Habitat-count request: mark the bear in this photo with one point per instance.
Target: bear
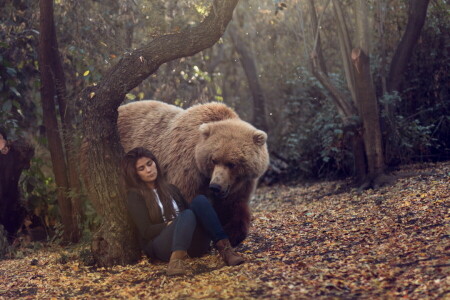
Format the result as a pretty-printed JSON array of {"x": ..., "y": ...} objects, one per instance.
[{"x": 205, "y": 149}]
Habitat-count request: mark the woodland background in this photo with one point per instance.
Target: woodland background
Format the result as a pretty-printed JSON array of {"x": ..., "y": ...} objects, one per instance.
[{"x": 284, "y": 66}]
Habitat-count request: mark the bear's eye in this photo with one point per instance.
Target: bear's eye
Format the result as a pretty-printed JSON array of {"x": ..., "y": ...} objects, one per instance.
[
  {"x": 214, "y": 161},
  {"x": 230, "y": 165}
]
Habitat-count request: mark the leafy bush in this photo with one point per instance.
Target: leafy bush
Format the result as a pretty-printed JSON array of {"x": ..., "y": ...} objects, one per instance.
[
  {"x": 313, "y": 135},
  {"x": 18, "y": 68},
  {"x": 407, "y": 139},
  {"x": 39, "y": 190}
]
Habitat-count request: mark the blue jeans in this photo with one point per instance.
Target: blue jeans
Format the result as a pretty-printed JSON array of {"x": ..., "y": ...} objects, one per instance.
[
  {"x": 208, "y": 218},
  {"x": 192, "y": 230}
]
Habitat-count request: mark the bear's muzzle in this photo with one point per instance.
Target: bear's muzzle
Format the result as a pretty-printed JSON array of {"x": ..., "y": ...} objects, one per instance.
[{"x": 218, "y": 191}]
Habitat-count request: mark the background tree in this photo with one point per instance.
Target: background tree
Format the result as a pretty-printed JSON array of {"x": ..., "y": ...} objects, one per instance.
[
  {"x": 356, "y": 64},
  {"x": 417, "y": 12},
  {"x": 52, "y": 84},
  {"x": 250, "y": 69},
  {"x": 366, "y": 98}
]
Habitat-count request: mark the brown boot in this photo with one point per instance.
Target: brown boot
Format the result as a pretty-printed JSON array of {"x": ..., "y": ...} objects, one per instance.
[
  {"x": 176, "y": 265},
  {"x": 230, "y": 257}
]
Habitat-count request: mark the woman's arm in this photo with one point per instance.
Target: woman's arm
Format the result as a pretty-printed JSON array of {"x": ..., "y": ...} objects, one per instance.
[{"x": 139, "y": 214}]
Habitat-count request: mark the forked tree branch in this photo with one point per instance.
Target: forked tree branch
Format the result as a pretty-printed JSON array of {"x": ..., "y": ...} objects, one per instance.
[{"x": 137, "y": 65}]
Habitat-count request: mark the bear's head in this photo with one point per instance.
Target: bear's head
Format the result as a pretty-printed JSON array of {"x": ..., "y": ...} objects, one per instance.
[{"x": 229, "y": 153}]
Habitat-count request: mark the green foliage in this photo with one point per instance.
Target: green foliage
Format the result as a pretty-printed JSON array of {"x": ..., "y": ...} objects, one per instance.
[
  {"x": 314, "y": 136},
  {"x": 427, "y": 90},
  {"x": 40, "y": 191},
  {"x": 18, "y": 61},
  {"x": 420, "y": 128},
  {"x": 407, "y": 138},
  {"x": 20, "y": 112}
]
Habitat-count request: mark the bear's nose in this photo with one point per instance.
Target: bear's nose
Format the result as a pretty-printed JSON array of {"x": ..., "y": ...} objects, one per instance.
[{"x": 215, "y": 188}]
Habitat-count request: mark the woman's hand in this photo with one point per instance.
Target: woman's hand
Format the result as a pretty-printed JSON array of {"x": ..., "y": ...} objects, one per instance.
[{"x": 168, "y": 223}]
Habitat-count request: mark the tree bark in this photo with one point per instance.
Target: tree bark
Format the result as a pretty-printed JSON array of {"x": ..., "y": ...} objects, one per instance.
[
  {"x": 317, "y": 48},
  {"x": 367, "y": 101},
  {"x": 46, "y": 60},
  {"x": 346, "y": 109},
  {"x": 101, "y": 151},
  {"x": 382, "y": 12},
  {"x": 416, "y": 19},
  {"x": 346, "y": 47},
  {"x": 249, "y": 66},
  {"x": 369, "y": 113},
  {"x": 357, "y": 139},
  {"x": 66, "y": 115}
]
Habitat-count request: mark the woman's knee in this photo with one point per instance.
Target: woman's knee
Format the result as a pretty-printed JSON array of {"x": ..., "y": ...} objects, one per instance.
[
  {"x": 187, "y": 215},
  {"x": 199, "y": 202}
]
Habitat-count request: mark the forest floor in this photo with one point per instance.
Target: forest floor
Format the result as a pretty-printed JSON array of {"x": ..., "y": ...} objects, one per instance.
[{"x": 322, "y": 240}]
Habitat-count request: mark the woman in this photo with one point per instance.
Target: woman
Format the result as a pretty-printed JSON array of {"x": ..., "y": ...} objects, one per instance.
[{"x": 169, "y": 228}]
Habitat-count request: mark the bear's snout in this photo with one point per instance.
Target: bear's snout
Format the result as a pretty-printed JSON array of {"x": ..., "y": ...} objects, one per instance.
[
  {"x": 220, "y": 182},
  {"x": 218, "y": 190},
  {"x": 215, "y": 188}
]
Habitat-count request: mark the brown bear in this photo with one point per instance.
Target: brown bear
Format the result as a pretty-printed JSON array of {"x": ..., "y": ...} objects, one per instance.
[{"x": 205, "y": 149}]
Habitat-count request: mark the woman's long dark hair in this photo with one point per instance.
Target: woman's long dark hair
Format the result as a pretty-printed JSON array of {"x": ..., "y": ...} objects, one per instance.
[
  {"x": 3, "y": 133},
  {"x": 134, "y": 182}
]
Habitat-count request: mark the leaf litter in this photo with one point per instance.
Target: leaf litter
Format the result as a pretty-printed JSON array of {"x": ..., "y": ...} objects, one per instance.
[{"x": 323, "y": 240}]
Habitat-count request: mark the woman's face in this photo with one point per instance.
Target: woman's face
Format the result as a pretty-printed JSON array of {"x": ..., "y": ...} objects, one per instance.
[
  {"x": 146, "y": 169},
  {"x": 3, "y": 148}
]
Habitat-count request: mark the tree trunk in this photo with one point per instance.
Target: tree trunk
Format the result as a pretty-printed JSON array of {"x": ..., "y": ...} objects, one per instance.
[
  {"x": 114, "y": 242},
  {"x": 346, "y": 48},
  {"x": 317, "y": 48},
  {"x": 367, "y": 101},
  {"x": 249, "y": 66},
  {"x": 358, "y": 139},
  {"x": 346, "y": 109},
  {"x": 369, "y": 113},
  {"x": 50, "y": 122},
  {"x": 66, "y": 115},
  {"x": 416, "y": 19},
  {"x": 382, "y": 12},
  {"x": 101, "y": 151}
]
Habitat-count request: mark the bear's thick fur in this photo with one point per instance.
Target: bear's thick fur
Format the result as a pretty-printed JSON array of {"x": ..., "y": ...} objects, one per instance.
[{"x": 205, "y": 149}]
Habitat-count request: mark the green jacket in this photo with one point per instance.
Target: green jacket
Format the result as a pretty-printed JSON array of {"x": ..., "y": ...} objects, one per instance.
[{"x": 146, "y": 228}]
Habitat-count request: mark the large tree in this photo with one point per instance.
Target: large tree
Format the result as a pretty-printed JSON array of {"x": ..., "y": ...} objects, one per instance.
[{"x": 101, "y": 151}]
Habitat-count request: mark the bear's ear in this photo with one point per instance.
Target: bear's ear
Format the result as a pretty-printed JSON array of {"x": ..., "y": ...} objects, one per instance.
[
  {"x": 205, "y": 130},
  {"x": 259, "y": 137}
]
